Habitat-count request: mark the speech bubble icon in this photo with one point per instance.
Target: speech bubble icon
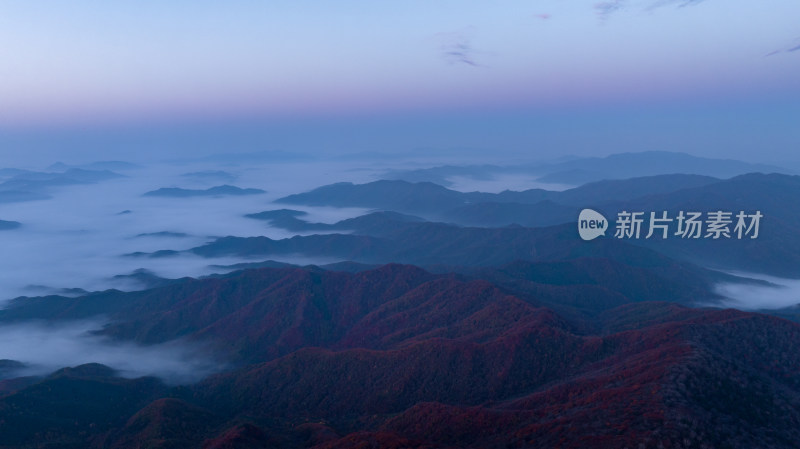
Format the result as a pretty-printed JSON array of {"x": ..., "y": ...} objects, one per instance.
[{"x": 591, "y": 224}]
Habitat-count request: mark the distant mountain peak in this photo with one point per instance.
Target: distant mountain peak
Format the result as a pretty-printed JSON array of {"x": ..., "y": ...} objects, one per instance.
[{"x": 221, "y": 190}]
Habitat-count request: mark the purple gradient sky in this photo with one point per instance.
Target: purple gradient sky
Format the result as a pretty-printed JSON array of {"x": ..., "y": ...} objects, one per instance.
[{"x": 89, "y": 65}]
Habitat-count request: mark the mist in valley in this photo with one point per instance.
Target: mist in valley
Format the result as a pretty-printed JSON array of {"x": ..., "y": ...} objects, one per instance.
[
  {"x": 42, "y": 348},
  {"x": 84, "y": 235},
  {"x": 770, "y": 294},
  {"x": 87, "y": 237},
  {"x": 79, "y": 238}
]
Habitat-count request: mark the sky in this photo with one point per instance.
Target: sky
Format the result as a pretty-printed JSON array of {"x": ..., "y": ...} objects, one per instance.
[{"x": 88, "y": 79}]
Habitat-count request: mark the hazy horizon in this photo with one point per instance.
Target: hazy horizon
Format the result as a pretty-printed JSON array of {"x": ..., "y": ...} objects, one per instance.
[{"x": 154, "y": 81}]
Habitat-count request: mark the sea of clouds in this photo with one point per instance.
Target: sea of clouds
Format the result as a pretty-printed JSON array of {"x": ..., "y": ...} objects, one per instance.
[{"x": 81, "y": 237}]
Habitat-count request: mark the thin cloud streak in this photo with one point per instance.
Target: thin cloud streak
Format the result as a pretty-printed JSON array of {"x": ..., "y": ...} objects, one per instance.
[
  {"x": 788, "y": 50},
  {"x": 679, "y": 3},
  {"x": 608, "y": 8},
  {"x": 456, "y": 48}
]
